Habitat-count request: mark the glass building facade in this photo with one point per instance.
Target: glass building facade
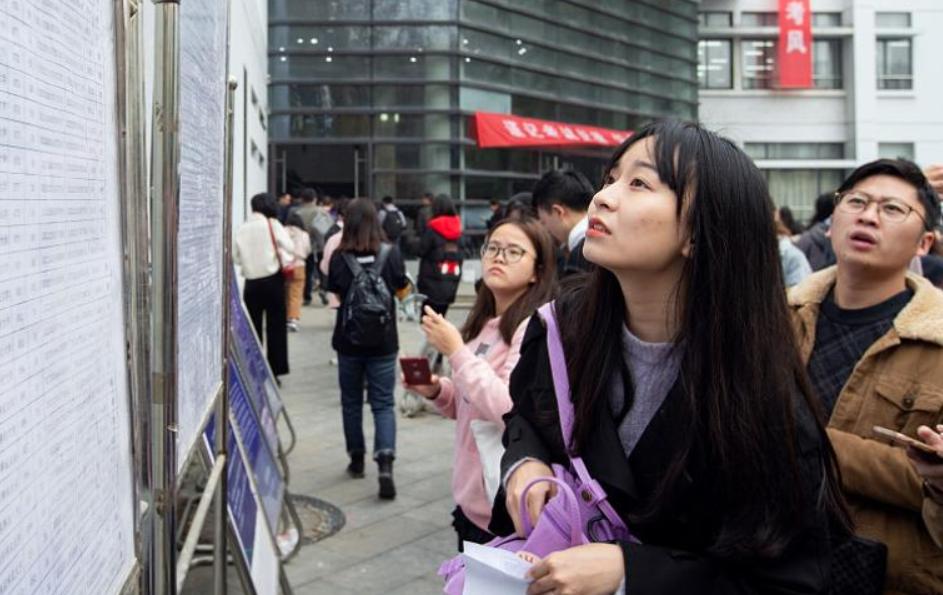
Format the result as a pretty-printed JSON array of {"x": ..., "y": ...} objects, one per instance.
[{"x": 374, "y": 97}]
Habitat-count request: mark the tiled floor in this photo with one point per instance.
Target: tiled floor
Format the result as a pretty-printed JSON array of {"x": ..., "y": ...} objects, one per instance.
[{"x": 384, "y": 547}]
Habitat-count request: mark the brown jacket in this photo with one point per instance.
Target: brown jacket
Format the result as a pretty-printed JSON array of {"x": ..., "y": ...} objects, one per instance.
[{"x": 898, "y": 384}]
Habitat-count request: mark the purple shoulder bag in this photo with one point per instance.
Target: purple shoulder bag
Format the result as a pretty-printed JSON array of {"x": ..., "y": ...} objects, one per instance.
[{"x": 580, "y": 512}]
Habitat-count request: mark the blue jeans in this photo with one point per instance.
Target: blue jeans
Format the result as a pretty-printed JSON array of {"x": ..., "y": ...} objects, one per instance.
[{"x": 380, "y": 373}]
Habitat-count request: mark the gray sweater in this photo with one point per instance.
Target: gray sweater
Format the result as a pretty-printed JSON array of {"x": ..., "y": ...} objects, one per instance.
[{"x": 654, "y": 369}]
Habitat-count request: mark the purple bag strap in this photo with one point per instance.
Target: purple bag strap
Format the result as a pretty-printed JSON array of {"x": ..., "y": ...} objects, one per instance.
[
  {"x": 570, "y": 507},
  {"x": 561, "y": 387}
]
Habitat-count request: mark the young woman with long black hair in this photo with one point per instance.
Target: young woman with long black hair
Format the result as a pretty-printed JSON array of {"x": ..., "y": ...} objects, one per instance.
[
  {"x": 518, "y": 276},
  {"x": 692, "y": 408},
  {"x": 367, "y": 359}
]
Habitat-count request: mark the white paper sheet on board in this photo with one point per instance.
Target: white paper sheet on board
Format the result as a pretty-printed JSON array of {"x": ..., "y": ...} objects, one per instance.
[
  {"x": 199, "y": 290},
  {"x": 66, "y": 496}
]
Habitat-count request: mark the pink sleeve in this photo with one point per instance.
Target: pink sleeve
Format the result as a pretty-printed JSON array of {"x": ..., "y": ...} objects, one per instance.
[
  {"x": 329, "y": 248},
  {"x": 487, "y": 387},
  {"x": 445, "y": 402}
]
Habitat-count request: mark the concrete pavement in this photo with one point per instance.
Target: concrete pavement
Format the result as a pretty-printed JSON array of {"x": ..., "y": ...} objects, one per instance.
[{"x": 384, "y": 547}]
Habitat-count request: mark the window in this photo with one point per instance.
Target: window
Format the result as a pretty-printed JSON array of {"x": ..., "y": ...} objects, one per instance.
[
  {"x": 896, "y": 150},
  {"x": 895, "y": 65},
  {"x": 329, "y": 66},
  {"x": 892, "y": 20},
  {"x": 795, "y": 150},
  {"x": 303, "y": 37},
  {"x": 759, "y": 19},
  {"x": 759, "y": 62},
  {"x": 319, "y": 126},
  {"x": 715, "y": 19},
  {"x": 826, "y": 19},
  {"x": 826, "y": 64},
  {"x": 798, "y": 188},
  {"x": 415, "y": 156},
  {"x": 713, "y": 64}
]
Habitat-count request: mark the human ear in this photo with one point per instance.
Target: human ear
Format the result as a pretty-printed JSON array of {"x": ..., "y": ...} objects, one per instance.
[
  {"x": 925, "y": 243},
  {"x": 558, "y": 211}
]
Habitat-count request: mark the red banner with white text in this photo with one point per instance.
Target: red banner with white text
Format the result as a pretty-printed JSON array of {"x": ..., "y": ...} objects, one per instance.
[
  {"x": 795, "y": 44},
  {"x": 504, "y": 130}
]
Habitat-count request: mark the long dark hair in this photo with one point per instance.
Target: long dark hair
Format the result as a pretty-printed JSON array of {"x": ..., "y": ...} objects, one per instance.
[
  {"x": 539, "y": 293},
  {"x": 362, "y": 233},
  {"x": 442, "y": 206},
  {"x": 740, "y": 368}
]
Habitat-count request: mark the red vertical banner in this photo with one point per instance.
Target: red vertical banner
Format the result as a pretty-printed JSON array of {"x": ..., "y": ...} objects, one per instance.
[{"x": 795, "y": 44}]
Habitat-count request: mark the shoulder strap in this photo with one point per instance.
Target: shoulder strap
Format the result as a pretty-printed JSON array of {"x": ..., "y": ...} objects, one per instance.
[
  {"x": 561, "y": 387},
  {"x": 352, "y": 262},
  {"x": 271, "y": 234},
  {"x": 561, "y": 381},
  {"x": 380, "y": 261}
]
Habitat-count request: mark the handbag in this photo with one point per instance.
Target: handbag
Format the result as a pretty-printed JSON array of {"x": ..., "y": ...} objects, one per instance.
[
  {"x": 580, "y": 513},
  {"x": 859, "y": 567},
  {"x": 288, "y": 271}
]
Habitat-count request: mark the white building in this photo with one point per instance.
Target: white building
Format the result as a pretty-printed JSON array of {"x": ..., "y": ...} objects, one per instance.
[
  {"x": 878, "y": 89},
  {"x": 248, "y": 62}
]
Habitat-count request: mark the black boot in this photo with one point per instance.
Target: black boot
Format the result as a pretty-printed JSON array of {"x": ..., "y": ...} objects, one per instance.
[
  {"x": 355, "y": 468},
  {"x": 385, "y": 468}
]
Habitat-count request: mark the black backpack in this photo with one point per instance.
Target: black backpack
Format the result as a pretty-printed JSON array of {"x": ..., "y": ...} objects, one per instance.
[
  {"x": 394, "y": 223},
  {"x": 367, "y": 312}
]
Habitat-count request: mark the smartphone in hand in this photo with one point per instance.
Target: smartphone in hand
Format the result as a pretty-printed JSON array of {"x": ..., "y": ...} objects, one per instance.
[
  {"x": 904, "y": 440},
  {"x": 416, "y": 370}
]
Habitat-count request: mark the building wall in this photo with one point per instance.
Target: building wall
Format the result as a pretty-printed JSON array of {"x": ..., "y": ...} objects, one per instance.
[
  {"x": 858, "y": 115},
  {"x": 248, "y": 62},
  {"x": 389, "y": 86}
]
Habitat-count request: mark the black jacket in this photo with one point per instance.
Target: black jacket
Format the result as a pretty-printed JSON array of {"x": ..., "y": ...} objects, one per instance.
[
  {"x": 572, "y": 263},
  {"x": 339, "y": 280},
  {"x": 674, "y": 556},
  {"x": 441, "y": 233}
]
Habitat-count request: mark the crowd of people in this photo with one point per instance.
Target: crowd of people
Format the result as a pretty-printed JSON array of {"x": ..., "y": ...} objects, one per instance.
[{"x": 727, "y": 367}]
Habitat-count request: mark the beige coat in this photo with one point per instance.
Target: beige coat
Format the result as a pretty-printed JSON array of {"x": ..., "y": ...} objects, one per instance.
[{"x": 898, "y": 384}]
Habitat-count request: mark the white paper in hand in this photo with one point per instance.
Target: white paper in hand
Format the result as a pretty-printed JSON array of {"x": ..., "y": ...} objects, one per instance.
[{"x": 492, "y": 571}]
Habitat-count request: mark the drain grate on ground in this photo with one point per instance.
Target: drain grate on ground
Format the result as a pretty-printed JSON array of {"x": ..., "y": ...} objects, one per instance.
[{"x": 319, "y": 519}]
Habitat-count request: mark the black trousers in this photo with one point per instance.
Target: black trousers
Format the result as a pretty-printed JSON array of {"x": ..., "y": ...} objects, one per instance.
[
  {"x": 311, "y": 269},
  {"x": 467, "y": 530},
  {"x": 267, "y": 296}
]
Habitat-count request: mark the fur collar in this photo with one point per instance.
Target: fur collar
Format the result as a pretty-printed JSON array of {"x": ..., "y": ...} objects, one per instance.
[{"x": 920, "y": 320}]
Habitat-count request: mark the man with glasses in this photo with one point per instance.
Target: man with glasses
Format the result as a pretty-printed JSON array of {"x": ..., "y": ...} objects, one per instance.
[{"x": 871, "y": 335}]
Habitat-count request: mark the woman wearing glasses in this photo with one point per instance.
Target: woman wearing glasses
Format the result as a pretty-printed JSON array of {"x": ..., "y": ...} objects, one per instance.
[{"x": 519, "y": 275}]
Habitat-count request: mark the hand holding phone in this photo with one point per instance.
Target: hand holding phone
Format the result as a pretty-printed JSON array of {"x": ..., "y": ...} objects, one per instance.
[{"x": 904, "y": 440}]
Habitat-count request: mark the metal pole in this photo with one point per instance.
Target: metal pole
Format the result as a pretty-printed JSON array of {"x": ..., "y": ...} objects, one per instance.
[
  {"x": 165, "y": 196},
  {"x": 135, "y": 232},
  {"x": 356, "y": 172},
  {"x": 222, "y": 406}
]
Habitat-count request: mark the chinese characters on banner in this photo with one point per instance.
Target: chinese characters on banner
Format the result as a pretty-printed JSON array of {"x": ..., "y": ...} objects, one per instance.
[
  {"x": 795, "y": 44},
  {"x": 505, "y": 130}
]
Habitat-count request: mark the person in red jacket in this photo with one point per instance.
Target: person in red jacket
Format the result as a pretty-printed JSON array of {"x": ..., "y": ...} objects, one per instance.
[{"x": 440, "y": 264}]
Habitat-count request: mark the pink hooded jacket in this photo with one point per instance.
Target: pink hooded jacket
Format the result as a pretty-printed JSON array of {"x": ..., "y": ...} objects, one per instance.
[{"x": 478, "y": 389}]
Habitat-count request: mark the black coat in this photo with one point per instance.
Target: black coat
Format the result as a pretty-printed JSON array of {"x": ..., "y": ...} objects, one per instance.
[
  {"x": 438, "y": 288},
  {"x": 573, "y": 262},
  {"x": 674, "y": 555}
]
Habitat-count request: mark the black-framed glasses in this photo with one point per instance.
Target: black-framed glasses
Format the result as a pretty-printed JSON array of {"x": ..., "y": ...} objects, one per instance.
[
  {"x": 889, "y": 209},
  {"x": 510, "y": 253}
]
